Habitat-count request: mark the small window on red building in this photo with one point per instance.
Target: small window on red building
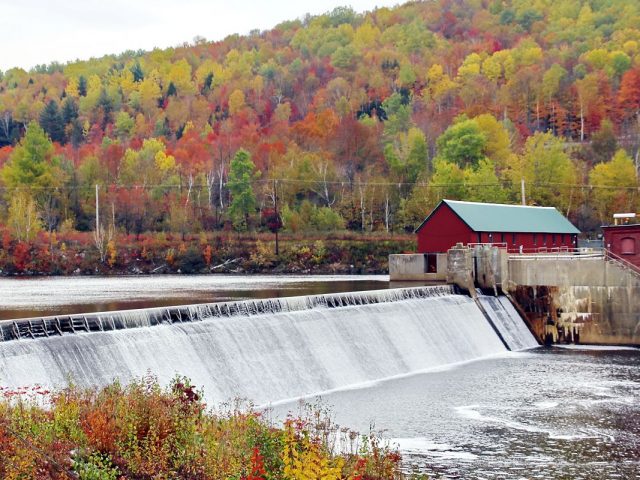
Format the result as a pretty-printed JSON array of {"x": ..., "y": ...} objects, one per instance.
[{"x": 628, "y": 246}]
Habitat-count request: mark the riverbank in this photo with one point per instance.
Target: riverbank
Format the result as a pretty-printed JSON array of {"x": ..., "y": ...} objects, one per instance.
[
  {"x": 78, "y": 253},
  {"x": 145, "y": 431}
]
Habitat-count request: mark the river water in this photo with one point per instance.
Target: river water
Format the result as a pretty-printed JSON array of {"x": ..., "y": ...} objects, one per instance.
[
  {"x": 554, "y": 413},
  {"x": 34, "y": 297},
  {"x": 559, "y": 413}
]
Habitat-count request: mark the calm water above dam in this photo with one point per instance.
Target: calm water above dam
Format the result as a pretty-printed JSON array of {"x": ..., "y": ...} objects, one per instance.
[
  {"x": 35, "y": 297},
  {"x": 542, "y": 414}
]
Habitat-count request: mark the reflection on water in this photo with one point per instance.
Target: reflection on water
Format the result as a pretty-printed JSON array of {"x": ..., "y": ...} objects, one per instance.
[
  {"x": 33, "y": 297},
  {"x": 544, "y": 414}
]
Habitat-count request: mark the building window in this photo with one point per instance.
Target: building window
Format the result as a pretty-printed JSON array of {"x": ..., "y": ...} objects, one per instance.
[
  {"x": 553, "y": 239},
  {"x": 628, "y": 246},
  {"x": 544, "y": 239},
  {"x": 491, "y": 238},
  {"x": 535, "y": 239},
  {"x": 562, "y": 239},
  {"x": 502, "y": 237}
]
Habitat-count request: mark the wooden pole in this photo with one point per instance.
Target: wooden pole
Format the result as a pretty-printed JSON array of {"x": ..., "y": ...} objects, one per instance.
[
  {"x": 275, "y": 202},
  {"x": 97, "y": 211}
]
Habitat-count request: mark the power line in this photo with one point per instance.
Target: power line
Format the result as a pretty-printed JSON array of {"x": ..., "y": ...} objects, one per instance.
[{"x": 319, "y": 183}]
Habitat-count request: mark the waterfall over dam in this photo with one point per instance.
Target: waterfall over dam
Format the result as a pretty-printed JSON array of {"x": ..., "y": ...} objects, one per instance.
[{"x": 264, "y": 350}]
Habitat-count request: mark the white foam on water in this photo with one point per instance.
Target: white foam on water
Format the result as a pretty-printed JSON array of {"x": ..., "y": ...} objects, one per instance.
[
  {"x": 597, "y": 347},
  {"x": 425, "y": 446},
  {"x": 471, "y": 412}
]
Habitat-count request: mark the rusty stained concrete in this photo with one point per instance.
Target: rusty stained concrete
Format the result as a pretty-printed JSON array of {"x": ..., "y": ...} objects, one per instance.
[{"x": 578, "y": 300}]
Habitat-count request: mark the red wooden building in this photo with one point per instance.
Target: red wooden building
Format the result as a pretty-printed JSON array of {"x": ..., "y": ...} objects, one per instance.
[
  {"x": 521, "y": 228},
  {"x": 623, "y": 240}
]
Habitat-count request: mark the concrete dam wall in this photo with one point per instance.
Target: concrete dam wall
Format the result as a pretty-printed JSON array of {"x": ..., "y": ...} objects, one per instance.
[
  {"x": 267, "y": 350},
  {"x": 594, "y": 298}
]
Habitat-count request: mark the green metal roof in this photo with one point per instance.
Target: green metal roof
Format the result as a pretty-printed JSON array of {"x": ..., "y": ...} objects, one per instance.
[{"x": 494, "y": 217}]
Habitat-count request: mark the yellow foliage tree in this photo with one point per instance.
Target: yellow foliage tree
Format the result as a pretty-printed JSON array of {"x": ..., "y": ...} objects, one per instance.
[
  {"x": 180, "y": 76},
  {"x": 236, "y": 101},
  {"x": 72, "y": 88},
  {"x": 24, "y": 220},
  {"x": 440, "y": 86},
  {"x": 498, "y": 144},
  {"x": 470, "y": 66},
  {"x": 614, "y": 185}
]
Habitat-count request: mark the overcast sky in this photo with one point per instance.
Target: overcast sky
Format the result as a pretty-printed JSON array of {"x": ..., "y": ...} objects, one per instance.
[{"x": 34, "y": 32}]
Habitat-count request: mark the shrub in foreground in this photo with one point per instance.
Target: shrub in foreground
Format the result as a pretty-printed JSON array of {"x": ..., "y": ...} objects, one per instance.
[{"x": 144, "y": 431}]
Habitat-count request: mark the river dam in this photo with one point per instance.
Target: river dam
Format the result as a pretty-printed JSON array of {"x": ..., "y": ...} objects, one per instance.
[{"x": 265, "y": 350}]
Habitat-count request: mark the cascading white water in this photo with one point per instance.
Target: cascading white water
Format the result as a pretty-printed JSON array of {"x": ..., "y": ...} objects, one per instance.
[
  {"x": 506, "y": 319},
  {"x": 302, "y": 346}
]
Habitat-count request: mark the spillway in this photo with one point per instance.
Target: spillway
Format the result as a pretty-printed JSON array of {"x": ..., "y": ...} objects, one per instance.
[
  {"x": 262, "y": 350},
  {"x": 507, "y": 321}
]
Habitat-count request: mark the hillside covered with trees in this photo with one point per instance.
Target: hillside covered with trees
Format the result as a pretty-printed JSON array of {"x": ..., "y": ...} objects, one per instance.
[{"x": 340, "y": 121}]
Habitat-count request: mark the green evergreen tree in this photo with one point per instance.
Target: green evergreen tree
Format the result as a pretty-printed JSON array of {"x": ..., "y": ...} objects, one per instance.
[
  {"x": 52, "y": 123},
  {"x": 76, "y": 135},
  {"x": 138, "y": 74},
  {"x": 69, "y": 111},
  {"x": 208, "y": 81},
  {"x": 30, "y": 162},
  {"x": 243, "y": 201},
  {"x": 82, "y": 86},
  {"x": 106, "y": 105}
]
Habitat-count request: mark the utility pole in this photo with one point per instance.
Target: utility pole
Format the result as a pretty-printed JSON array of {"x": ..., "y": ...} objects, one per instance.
[
  {"x": 522, "y": 192},
  {"x": 97, "y": 211},
  {"x": 275, "y": 203}
]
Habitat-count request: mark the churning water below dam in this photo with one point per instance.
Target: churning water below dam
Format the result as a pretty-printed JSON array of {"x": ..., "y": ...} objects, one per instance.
[{"x": 547, "y": 413}]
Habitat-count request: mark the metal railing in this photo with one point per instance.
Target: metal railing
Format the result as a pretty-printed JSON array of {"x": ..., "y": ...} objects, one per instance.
[
  {"x": 488, "y": 244},
  {"x": 621, "y": 262},
  {"x": 577, "y": 253},
  {"x": 556, "y": 252}
]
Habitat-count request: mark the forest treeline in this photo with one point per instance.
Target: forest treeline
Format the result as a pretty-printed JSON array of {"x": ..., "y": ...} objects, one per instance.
[{"x": 339, "y": 121}]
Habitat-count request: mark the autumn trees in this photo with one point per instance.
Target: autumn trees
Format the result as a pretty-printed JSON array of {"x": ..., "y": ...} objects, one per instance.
[{"x": 364, "y": 121}]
